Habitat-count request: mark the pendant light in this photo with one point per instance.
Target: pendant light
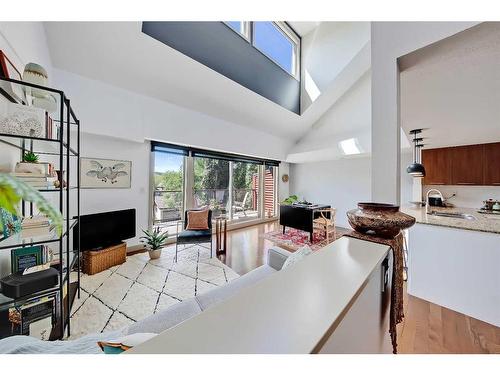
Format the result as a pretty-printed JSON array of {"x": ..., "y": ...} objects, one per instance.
[{"x": 416, "y": 169}]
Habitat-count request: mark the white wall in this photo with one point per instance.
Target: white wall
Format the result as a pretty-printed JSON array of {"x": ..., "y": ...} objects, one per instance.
[
  {"x": 99, "y": 200},
  {"x": 341, "y": 183},
  {"x": 390, "y": 40},
  {"x": 349, "y": 117},
  {"x": 108, "y": 110},
  {"x": 283, "y": 187},
  {"x": 332, "y": 44}
]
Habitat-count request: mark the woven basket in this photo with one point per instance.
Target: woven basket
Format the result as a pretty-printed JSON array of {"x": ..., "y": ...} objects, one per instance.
[{"x": 98, "y": 261}]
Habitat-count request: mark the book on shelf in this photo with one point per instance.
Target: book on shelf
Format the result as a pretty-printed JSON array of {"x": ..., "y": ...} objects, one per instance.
[
  {"x": 35, "y": 221},
  {"x": 33, "y": 226},
  {"x": 30, "y": 256}
]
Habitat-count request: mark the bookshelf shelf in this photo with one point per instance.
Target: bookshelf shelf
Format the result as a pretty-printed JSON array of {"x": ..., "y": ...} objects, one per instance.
[{"x": 62, "y": 148}]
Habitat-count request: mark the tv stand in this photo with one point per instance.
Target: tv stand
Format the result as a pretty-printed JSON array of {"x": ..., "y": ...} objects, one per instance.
[{"x": 95, "y": 261}]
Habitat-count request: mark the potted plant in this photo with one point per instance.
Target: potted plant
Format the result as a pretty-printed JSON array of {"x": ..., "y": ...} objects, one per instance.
[
  {"x": 154, "y": 241},
  {"x": 30, "y": 164}
]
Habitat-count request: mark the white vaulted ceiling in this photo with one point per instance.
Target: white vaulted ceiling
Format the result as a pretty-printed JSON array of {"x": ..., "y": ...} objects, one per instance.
[
  {"x": 118, "y": 53},
  {"x": 452, "y": 88}
]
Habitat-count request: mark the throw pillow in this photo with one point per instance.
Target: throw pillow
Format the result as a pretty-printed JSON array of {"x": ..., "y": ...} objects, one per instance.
[
  {"x": 197, "y": 220},
  {"x": 120, "y": 344},
  {"x": 297, "y": 256}
]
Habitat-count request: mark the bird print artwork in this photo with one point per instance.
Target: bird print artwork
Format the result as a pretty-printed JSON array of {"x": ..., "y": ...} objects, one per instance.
[{"x": 107, "y": 172}]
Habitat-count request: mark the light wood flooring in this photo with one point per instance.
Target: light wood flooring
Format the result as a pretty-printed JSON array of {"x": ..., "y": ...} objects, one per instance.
[{"x": 427, "y": 328}]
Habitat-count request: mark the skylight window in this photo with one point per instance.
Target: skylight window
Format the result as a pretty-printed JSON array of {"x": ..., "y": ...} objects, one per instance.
[
  {"x": 241, "y": 27},
  {"x": 276, "y": 40},
  {"x": 350, "y": 146}
]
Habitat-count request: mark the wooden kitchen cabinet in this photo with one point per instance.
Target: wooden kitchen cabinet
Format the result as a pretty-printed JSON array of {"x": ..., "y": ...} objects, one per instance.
[
  {"x": 463, "y": 165},
  {"x": 467, "y": 165},
  {"x": 492, "y": 164},
  {"x": 437, "y": 164}
]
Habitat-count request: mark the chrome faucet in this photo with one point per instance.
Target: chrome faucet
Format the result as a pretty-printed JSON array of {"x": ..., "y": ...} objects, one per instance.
[{"x": 427, "y": 208}]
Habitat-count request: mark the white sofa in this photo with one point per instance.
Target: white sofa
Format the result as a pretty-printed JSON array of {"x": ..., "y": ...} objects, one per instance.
[
  {"x": 180, "y": 312},
  {"x": 156, "y": 323}
]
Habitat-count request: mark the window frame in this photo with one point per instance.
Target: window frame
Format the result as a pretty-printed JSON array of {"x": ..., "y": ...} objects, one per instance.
[
  {"x": 189, "y": 154},
  {"x": 283, "y": 28},
  {"x": 246, "y": 34}
]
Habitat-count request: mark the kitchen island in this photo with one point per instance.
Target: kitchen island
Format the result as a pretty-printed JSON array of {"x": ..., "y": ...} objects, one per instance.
[
  {"x": 336, "y": 300},
  {"x": 454, "y": 262}
]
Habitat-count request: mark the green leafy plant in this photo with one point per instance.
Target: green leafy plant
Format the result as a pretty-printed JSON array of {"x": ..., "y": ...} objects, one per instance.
[
  {"x": 30, "y": 157},
  {"x": 291, "y": 199},
  {"x": 154, "y": 239},
  {"x": 12, "y": 190}
]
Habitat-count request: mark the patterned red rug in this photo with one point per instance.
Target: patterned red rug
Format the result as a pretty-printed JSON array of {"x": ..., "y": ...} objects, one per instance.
[{"x": 294, "y": 239}]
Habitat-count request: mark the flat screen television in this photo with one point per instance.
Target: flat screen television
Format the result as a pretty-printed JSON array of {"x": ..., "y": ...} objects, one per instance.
[{"x": 104, "y": 229}]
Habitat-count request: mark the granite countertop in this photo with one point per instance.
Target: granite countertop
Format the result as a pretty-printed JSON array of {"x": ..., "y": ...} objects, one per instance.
[{"x": 483, "y": 223}]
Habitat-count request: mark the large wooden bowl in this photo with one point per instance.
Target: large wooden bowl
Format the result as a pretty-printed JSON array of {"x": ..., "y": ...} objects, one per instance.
[{"x": 380, "y": 219}]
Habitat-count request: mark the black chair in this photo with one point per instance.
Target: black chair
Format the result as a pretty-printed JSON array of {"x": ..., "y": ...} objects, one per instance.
[{"x": 194, "y": 237}]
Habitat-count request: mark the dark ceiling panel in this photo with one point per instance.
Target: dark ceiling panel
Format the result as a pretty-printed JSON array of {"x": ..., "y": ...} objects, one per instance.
[{"x": 223, "y": 50}]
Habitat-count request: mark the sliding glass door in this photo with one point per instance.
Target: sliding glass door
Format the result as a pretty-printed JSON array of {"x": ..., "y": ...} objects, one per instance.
[
  {"x": 245, "y": 191},
  {"x": 235, "y": 187},
  {"x": 211, "y": 184},
  {"x": 168, "y": 192}
]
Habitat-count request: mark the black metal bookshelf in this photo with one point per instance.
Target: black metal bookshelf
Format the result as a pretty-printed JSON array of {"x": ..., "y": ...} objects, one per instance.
[{"x": 64, "y": 147}]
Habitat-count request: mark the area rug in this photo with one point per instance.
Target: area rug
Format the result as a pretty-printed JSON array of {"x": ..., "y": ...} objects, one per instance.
[
  {"x": 121, "y": 295},
  {"x": 294, "y": 239}
]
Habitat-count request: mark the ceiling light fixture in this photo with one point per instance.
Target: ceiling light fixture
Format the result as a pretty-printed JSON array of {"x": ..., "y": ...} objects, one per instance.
[{"x": 416, "y": 169}]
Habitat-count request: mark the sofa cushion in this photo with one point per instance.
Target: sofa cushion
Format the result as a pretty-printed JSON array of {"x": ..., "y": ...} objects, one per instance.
[
  {"x": 195, "y": 235},
  {"x": 222, "y": 293},
  {"x": 197, "y": 220},
  {"x": 276, "y": 257},
  {"x": 297, "y": 256},
  {"x": 166, "y": 318}
]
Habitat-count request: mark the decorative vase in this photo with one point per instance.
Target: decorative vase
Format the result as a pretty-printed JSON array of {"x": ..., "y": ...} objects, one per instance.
[
  {"x": 380, "y": 219},
  {"x": 154, "y": 254},
  {"x": 36, "y": 74}
]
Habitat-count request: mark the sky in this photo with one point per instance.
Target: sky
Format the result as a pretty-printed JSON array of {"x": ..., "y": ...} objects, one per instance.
[
  {"x": 167, "y": 162},
  {"x": 271, "y": 42}
]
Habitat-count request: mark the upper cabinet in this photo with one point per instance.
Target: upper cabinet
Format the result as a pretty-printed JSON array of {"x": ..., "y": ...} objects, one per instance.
[
  {"x": 437, "y": 164},
  {"x": 463, "y": 165},
  {"x": 492, "y": 164},
  {"x": 467, "y": 165}
]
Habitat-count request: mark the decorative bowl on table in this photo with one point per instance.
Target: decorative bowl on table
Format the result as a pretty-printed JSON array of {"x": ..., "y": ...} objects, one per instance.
[{"x": 380, "y": 219}]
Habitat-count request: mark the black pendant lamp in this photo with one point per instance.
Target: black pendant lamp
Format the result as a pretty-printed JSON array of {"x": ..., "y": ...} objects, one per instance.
[{"x": 416, "y": 169}]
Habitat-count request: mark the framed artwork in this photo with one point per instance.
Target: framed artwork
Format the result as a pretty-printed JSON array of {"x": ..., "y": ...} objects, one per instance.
[
  {"x": 8, "y": 70},
  {"x": 105, "y": 173}
]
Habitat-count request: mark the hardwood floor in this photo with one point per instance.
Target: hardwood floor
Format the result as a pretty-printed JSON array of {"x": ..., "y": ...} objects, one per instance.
[
  {"x": 427, "y": 328},
  {"x": 246, "y": 249},
  {"x": 430, "y": 328}
]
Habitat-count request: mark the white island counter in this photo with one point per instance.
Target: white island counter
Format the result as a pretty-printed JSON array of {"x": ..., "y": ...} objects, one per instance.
[
  {"x": 316, "y": 305},
  {"x": 455, "y": 263}
]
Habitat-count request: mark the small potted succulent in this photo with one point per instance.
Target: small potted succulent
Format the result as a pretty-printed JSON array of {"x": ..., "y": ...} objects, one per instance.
[
  {"x": 30, "y": 164},
  {"x": 154, "y": 241}
]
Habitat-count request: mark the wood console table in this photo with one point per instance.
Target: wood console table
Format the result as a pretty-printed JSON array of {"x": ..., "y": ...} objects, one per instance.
[{"x": 300, "y": 217}]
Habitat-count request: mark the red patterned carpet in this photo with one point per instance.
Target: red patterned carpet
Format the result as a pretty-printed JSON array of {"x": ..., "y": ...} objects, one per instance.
[{"x": 294, "y": 239}]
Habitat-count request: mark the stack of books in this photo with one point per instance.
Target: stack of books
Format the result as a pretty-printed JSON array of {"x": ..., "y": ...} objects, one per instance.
[
  {"x": 37, "y": 180},
  {"x": 35, "y": 226},
  {"x": 35, "y": 318}
]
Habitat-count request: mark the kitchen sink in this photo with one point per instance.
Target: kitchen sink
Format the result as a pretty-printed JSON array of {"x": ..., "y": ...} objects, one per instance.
[{"x": 456, "y": 215}]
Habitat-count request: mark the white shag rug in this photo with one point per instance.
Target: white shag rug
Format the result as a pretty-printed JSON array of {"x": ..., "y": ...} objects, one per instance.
[{"x": 123, "y": 294}]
